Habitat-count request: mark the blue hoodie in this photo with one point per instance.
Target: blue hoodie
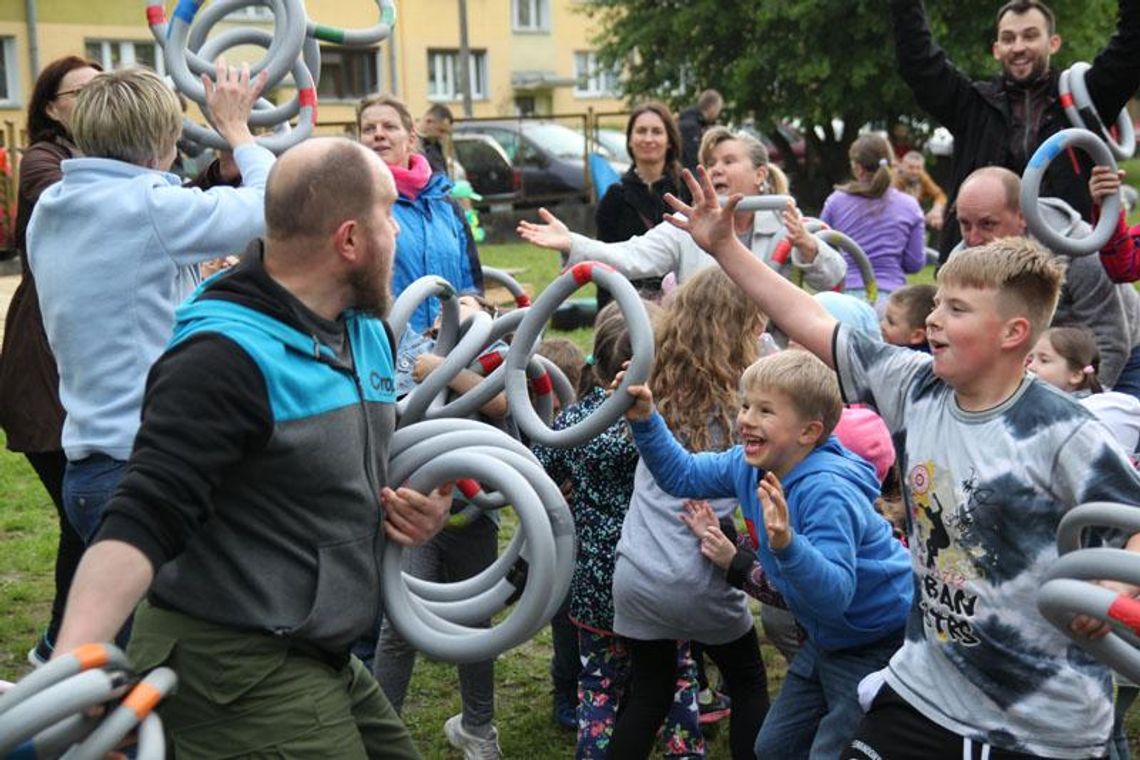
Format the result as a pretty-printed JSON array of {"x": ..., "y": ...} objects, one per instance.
[
  {"x": 434, "y": 239},
  {"x": 845, "y": 578}
]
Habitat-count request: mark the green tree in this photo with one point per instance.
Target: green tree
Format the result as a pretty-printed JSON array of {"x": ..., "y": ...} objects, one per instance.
[{"x": 813, "y": 61}]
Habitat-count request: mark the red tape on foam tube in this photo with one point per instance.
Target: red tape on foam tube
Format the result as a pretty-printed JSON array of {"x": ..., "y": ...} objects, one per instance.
[
  {"x": 542, "y": 385},
  {"x": 1126, "y": 610},
  {"x": 155, "y": 15},
  {"x": 468, "y": 487},
  {"x": 490, "y": 361}
]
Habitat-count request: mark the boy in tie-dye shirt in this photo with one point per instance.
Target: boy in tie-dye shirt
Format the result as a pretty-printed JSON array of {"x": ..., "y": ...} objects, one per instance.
[{"x": 992, "y": 459}]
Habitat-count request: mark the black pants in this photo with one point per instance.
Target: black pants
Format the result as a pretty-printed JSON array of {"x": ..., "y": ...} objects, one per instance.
[
  {"x": 895, "y": 730},
  {"x": 49, "y": 466},
  {"x": 651, "y": 688}
]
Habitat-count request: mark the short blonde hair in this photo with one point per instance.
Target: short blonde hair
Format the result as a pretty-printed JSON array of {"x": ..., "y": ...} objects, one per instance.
[
  {"x": 809, "y": 384},
  {"x": 716, "y": 135},
  {"x": 1027, "y": 278},
  {"x": 129, "y": 115}
]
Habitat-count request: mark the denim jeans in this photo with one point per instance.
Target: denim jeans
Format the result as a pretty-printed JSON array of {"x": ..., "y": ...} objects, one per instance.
[
  {"x": 817, "y": 710},
  {"x": 1129, "y": 380},
  {"x": 88, "y": 485}
]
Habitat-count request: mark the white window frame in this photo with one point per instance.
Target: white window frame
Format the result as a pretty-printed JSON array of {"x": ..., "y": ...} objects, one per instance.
[
  {"x": 443, "y": 67},
  {"x": 126, "y": 53},
  {"x": 590, "y": 79},
  {"x": 538, "y": 12},
  {"x": 11, "y": 73}
]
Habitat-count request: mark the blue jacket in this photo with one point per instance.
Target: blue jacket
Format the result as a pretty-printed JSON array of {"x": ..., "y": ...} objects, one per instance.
[
  {"x": 846, "y": 579},
  {"x": 434, "y": 239}
]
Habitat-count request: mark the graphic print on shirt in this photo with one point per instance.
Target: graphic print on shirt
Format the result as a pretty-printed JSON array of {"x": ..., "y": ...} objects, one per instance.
[{"x": 947, "y": 555}]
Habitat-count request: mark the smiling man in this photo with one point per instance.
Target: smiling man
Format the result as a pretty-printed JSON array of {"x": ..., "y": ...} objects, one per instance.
[{"x": 1001, "y": 121}]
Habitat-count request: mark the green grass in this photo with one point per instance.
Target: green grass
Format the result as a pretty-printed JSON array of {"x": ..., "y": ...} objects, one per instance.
[{"x": 523, "y": 696}]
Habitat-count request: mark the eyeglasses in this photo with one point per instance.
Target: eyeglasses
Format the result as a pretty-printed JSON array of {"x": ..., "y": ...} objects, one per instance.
[{"x": 74, "y": 91}]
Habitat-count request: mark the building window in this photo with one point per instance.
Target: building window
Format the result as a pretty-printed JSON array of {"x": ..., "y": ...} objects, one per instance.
[
  {"x": 116, "y": 54},
  {"x": 444, "y": 76},
  {"x": 591, "y": 79},
  {"x": 530, "y": 15},
  {"x": 9, "y": 76},
  {"x": 348, "y": 74}
]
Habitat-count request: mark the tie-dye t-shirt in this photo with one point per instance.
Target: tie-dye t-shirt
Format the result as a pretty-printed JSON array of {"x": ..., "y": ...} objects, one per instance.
[{"x": 985, "y": 492}]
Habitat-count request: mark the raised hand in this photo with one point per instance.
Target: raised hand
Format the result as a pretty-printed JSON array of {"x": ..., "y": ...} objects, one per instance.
[
  {"x": 1104, "y": 182},
  {"x": 553, "y": 234},
  {"x": 798, "y": 235},
  {"x": 776, "y": 521},
  {"x": 699, "y": 516},
  {"x": 229, "y": 100},
  {"x": 642, "y": 407},
  {"x": 709, "y": 223}
]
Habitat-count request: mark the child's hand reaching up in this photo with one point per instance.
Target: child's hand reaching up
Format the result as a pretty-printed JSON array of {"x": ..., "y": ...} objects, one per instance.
[
  {"x": 716, "y": 547},
  {"x": 776, "y": 521},
  {"x": 1104, "y": 182},
  {"x": 699, "y": 516},
  {"x": 642, "y": 407}
]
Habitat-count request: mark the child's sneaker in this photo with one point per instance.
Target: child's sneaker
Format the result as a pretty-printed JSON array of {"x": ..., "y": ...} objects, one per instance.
[
  {"x": 713, "y": 706},
  {"x": 474, "y": 747},
  {"x": 39, "y": 655}
]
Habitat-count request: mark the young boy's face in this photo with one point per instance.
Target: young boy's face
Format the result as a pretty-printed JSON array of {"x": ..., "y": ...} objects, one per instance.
[
  {"x": 774, "y": 435},
  {"x": 897, "y": 330},
  {"x": 965, "y": 332}
]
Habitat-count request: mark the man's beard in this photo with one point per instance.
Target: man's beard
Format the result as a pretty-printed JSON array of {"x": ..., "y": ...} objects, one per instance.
[
  {"x": 1036, "y": 72},
  {"x": 372, "y": 289}
]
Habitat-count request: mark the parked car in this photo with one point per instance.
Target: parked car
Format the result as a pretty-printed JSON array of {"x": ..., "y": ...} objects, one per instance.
[
  {"x": 487, "y": 168},
  {"x": 613, "y": 141},
  {"x": 550, "y": 156}
]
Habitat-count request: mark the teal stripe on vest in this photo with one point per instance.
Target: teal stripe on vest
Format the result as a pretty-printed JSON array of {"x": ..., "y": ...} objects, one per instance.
[{"x": 299, "y": 385}]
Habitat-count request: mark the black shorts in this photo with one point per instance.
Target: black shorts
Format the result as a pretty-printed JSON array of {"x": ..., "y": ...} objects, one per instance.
[{"x": 893, "y": 730}]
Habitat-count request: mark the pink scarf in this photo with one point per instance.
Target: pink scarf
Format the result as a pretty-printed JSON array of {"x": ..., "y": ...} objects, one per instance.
[{"x": 410, "y": 181}]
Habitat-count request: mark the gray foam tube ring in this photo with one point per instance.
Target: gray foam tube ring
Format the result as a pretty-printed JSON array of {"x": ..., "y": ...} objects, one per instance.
[
  {"x": 1072, "y": 83},
  {"x": 1068, "y": 591},
  {"x": 56, "y": 702},
  {"x": 477, "y": 438},
  {"x": 438, "y": 637},
  {"x": 158, "y": 683},
  {"x": 1031, "y": 189},
  {"x": 761, "y": 203},
  {"x": 62, "y": 668},
  {"x": 526, "y": 342}
]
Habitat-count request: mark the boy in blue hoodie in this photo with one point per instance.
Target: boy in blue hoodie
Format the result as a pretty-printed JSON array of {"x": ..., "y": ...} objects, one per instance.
[{"x": 823, "y": 547}]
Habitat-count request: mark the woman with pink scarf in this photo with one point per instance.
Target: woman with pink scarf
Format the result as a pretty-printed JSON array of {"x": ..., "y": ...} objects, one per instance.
[{"x": 434, "y": 237}]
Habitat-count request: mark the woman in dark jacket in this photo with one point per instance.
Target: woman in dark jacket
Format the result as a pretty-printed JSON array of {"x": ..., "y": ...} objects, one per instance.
[
  {"x": 637, "y": 203},
  {"x": 30, "y": 411}
]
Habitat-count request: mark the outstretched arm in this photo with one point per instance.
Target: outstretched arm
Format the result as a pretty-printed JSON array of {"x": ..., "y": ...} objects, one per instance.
[
  {"x": 938, "y": 86},
  {"x": 111, "y": 579},
  {"x": 1115, "y": 72},
  {"x": 792, "y": 310}
]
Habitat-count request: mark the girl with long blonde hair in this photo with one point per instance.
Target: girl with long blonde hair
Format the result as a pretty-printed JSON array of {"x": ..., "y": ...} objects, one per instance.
[{"x": 663, "y": 590}]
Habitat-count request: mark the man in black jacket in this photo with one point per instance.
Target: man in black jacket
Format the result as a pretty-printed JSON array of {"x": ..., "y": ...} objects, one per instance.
[
  {"x": 692, "y": 122},
  {"x": 255, "y": 505},
  {"x": 1001, "y": 121}
]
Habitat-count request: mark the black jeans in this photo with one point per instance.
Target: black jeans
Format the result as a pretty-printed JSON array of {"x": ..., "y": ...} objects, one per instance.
[
  {"x": 49, "y": 466},
  {"x": 651, "y": 688}
]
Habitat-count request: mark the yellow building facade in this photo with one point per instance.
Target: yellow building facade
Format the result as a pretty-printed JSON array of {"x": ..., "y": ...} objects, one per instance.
[{"x": 527, "y": 56}]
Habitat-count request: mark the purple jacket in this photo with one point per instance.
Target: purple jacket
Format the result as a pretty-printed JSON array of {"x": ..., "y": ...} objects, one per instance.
[{"x": 890, "y": 231}]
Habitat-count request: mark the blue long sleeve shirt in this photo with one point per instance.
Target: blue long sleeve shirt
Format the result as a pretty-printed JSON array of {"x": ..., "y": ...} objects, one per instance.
[
  {"x": 846, "y": 579},
  {"x": 114, "y": 248}
]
